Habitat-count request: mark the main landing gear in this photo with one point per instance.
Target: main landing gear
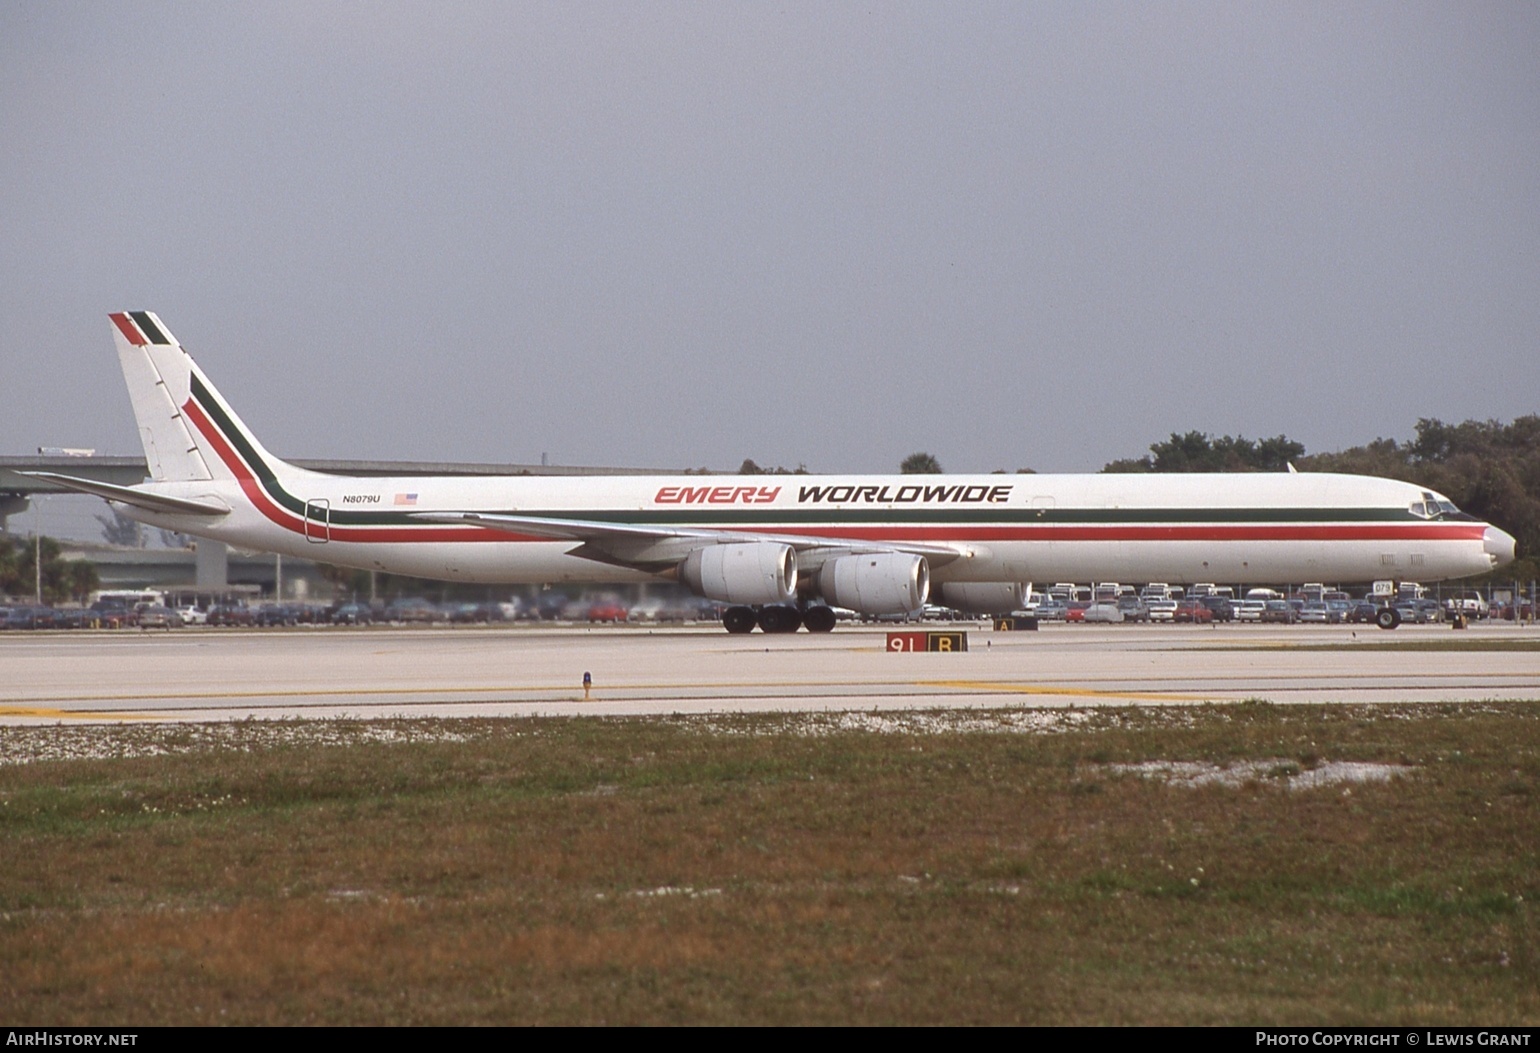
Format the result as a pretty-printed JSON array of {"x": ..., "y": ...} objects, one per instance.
[{"x": 777, "y": 619}]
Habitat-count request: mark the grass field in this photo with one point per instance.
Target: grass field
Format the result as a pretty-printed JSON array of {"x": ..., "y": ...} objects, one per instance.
[{"x": 1249, "y": 864}]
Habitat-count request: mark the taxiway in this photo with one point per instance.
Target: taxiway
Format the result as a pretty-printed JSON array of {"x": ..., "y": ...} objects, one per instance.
[{"x": 203, "y": 675}]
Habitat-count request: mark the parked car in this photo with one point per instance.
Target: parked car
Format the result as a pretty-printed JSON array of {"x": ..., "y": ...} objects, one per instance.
[
  {"x": 1420, "y": 612},
  {"x": 648, "y": 610},
  {"x": 228, "y": 614},
  {"x": 107, "y": 614},
  {"x": 1279, "y": 612},
  {"x": 1051, "y": 610},
  {"x": 1469, "y": 603},
  {"x": 310, "y": 613},
  {"x": 352, "y": 614},
  {"x": 1518, "y": 610},
  {"x": 551, "y": 606},
  {"x": 15, "y": 618},
  {"x": 1250, "y": 611},
  {"x": 1363, "y": 612},
  {"x": 30, "y": 618},
  {"x": 71, "y": 618},
  {"x": 1193, "y": 612},
  {"x": 470, "y": 613},
  {"x": 275, "y": 614},
  {"x": 1133, "y": 608},
  {"x": 1162, "y": 610},
  {"x": 607, "y": 611},
  {"x": 157, "y": 617},
  {"x": 1221, "y": 607},
  {"x": 412, "y": 609},
  {"x": 1103, "y": 611}
]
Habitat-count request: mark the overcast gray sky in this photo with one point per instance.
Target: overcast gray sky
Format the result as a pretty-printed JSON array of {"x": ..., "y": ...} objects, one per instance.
[{"x": 1014, "y": 235}]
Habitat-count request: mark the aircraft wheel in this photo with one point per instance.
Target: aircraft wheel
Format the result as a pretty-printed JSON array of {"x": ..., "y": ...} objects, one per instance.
[
  {"x": 738, "y": 620},
  {"x": 818, "y": 619},
  {"x": 780, "y": 619},
  {"x": 1387, "y": 618}
]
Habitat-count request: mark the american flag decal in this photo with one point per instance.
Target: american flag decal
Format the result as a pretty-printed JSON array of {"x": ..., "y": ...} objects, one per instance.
[{"x": 406, "y": 499}]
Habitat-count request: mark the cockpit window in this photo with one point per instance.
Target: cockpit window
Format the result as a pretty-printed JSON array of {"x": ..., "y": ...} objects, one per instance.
[{"x": 1432, "y": 506}]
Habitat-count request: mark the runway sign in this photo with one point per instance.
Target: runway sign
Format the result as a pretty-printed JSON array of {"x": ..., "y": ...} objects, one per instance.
[{"x": 928, "y": 641}]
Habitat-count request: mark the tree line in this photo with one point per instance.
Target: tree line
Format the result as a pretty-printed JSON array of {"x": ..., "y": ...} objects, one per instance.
[{"x": 62, "y": 578}]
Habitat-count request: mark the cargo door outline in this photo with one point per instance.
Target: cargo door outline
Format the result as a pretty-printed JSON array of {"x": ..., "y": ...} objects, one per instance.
[{"x": 318, "y": 520}]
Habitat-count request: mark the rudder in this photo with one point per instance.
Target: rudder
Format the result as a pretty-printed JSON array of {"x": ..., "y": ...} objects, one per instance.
[
  {"x": 169, "y": 446},
  {"x": 165, "y": 385}
]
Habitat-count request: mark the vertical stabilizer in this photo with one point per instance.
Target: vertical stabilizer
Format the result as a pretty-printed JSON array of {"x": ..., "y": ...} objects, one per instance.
[
  {"x": 188, "y": 430},
  {"x": 169, "y": 446}
]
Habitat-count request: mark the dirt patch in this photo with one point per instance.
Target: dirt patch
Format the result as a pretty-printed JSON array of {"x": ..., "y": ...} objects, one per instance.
[{"x": 1280, "y": 770}]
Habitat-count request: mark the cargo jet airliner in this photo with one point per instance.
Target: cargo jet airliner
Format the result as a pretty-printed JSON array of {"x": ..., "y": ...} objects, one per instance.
[{"x": 780, "y": 550}]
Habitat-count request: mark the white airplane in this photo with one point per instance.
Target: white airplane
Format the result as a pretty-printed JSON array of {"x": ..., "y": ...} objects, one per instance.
[{"x": 780, "y": 550}]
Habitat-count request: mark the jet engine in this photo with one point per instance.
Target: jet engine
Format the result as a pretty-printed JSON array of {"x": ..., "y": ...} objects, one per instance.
[
  {"x": 754, "y": 572},
  {"x": 881, "y": 583},
  {"x": 984, "y": 597}
]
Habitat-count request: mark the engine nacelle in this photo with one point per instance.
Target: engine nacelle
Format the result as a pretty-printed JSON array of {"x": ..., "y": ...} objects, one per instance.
[
  {"x": 984, "y": 597},
  {"x": 882, "y": 583},
  {"x": 752, "y": 572}
]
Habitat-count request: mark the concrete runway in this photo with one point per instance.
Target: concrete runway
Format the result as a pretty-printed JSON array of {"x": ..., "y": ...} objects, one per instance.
[{"x": 214, "y": 674}]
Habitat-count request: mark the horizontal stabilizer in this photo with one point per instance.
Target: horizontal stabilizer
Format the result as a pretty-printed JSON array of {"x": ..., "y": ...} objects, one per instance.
[{"x": 128, "y": 495}]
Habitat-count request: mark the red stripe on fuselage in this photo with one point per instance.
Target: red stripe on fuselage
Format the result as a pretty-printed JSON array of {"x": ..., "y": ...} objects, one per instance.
[
  {"x": 127, "y": 327},
  {"x": 1075, "y": 532},
  {"x": 895, "y": 535},
  {"x": 243, "y": 475}
]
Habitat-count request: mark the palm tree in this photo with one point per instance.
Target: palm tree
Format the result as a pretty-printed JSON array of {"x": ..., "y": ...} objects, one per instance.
[{"x": 920, "y": 464}]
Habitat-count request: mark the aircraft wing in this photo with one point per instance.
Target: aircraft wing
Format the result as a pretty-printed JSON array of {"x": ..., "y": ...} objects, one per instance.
[
  {"x": 564, "y": 529},
  {"x": 643, "y": 546},
  {"x": 130, "y": 495}
]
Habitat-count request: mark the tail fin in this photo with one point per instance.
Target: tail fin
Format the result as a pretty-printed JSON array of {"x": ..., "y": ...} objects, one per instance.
[{"x": 188, "y": 430}]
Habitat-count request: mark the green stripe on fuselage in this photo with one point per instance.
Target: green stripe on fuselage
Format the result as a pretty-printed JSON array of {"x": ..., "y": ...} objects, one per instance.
[{"x": 984, "y": 515}]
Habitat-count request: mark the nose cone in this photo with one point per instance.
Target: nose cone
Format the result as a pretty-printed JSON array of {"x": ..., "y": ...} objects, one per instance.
[{"x": 1499, "y": 546}]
